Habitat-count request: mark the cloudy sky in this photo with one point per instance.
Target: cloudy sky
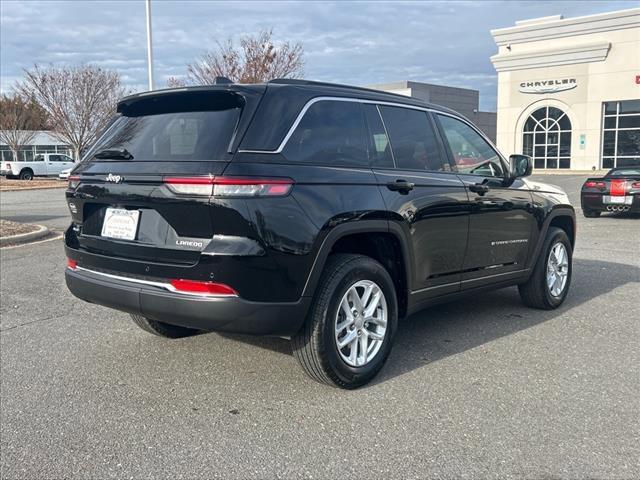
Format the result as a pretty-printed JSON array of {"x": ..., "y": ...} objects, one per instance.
[{"x": 347, "y": 42}]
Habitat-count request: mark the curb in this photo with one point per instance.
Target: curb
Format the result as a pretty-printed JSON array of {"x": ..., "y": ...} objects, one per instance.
[
  {"x": 25, "y": 237},
  {"x": 21, "y": 189}
]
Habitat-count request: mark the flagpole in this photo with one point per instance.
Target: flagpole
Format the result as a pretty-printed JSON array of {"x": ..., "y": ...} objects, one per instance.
[{"x": 149, "y": 46}]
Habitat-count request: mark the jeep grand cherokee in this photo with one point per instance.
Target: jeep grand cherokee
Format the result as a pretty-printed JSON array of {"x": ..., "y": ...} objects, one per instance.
[{"x": 314, "y": 211}]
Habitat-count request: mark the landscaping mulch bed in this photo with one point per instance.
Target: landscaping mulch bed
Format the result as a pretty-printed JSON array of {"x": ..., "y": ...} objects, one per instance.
[
  {"x": 9, "y": 228},
  {"x": 7, "y": 185}
]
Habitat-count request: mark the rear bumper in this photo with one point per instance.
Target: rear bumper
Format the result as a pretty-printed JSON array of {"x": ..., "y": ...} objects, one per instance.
[
  {"x": 224, "y": 314},
  {"x": 595, "y": 203}
]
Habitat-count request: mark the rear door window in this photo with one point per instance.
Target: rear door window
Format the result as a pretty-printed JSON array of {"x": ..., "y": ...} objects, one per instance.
[
  {"x": 329, "y": 133},
  {"x": 413, "y": 140}
]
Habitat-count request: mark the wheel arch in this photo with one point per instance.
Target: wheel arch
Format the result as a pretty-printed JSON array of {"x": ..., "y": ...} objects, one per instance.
[
  {"x": 375, "y": 239},
  {"x": 561, "y": 217}
]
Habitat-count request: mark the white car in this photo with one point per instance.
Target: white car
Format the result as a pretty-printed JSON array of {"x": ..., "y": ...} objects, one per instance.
[
  {"x": 64, "y": 174},
  {"x": 43, "y": 164}
]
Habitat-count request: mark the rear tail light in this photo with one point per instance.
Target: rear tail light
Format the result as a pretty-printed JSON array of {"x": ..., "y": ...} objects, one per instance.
[
  {"x": 190, "y": 185},
  {"x": 635, "y": 185},
  {"x": 7, "y": 166},
  {"x": 595, "y": 184},
  {"x": 74, "y": 180},
  {"x": 72, "y": 264},
  {"x": 230, "y": 186},
  {"x": 203, "y": 288}
]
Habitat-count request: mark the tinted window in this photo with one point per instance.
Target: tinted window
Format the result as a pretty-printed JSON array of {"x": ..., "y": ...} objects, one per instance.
[
  {"x": 330, "y": 133},
  {"x": 413, "y": 141},
  {"x": 378, "y": 142},
  {"x": 471, "y": 152},
  {"x": 187, "y": 127},
  {"x": 624, "y": 173},
  {"x": 173, "y": 136}
]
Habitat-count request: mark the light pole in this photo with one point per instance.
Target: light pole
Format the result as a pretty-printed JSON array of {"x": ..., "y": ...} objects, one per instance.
[{"x": 149, "y": 45}]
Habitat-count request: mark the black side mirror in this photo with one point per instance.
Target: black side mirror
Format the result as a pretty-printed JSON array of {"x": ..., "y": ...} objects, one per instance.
[{"x": 519, "y": 166}]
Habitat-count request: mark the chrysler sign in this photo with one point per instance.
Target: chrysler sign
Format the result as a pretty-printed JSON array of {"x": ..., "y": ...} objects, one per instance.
[{"x": 548, "y": 86}]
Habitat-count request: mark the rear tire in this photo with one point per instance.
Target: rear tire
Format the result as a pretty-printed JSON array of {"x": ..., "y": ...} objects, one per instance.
[
  {"x": 162, "y": 329},
  {"x": 536, "y": 292},
  {"x": 590, "y": 213},
  {"x": 349, "y": 284},
  {"x": 26, "y": 174}
]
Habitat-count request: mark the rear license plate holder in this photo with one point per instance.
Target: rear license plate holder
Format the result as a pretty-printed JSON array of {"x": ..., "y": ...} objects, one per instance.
[
  {"x": 120, "y": 224},
  {"x": 617, "y": 200}
]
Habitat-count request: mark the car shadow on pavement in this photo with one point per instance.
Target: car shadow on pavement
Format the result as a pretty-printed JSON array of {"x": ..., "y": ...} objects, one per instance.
[{"x": 448, "y": 329}]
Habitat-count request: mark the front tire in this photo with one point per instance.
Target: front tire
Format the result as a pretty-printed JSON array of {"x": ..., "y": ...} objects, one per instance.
[
  {"x": 349, "y": 330},
  {"x": 162, "y": 329},
  {"x": 548, "y": 285}
]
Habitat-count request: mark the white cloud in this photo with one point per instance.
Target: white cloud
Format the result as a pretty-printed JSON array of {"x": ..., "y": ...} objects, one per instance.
[{"x": 359, "y": 43}]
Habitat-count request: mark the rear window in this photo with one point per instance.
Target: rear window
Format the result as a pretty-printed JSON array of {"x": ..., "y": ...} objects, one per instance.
[
  {"x": 630, "y": 172},
  {"x": 174, "y": 128}
]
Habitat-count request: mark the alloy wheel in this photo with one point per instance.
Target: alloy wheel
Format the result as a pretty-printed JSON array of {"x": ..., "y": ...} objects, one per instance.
[
  {"x": 557, "y": 269},
  {"x": 361, "y": 323}
]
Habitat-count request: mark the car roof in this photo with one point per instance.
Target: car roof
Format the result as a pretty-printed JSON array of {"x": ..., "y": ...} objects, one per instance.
[
  {"x": 312, "y": 88},
  {"x": 283, "y": 99},
  {"x": 323, "y": 88}
]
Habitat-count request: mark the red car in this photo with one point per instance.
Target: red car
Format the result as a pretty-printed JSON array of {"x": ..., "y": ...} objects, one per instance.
[{"x": 617, "y": 191}]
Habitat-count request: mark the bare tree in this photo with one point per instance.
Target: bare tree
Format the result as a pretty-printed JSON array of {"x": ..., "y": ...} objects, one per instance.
[
  {"x": 175, "y": 82},
  {"x": 20, "y": 118},
  {"x": 79, "y": 100},
  {"x": 257, "y": 59}
]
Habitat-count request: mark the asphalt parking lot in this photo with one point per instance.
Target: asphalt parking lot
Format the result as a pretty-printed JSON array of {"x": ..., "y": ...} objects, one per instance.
[{"x": 484, "y": 388}]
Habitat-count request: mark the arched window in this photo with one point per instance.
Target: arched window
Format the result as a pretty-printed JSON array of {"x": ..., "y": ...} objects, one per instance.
[{"x": 547, "y": 138}]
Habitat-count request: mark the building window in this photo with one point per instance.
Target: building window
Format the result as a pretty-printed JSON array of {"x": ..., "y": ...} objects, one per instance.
[
  {"x": 547, "y": 138},
  {"x": 621, "y": 134}
]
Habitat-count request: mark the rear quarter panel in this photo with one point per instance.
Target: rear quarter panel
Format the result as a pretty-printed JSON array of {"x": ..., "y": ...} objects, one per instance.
[{"x": 293, "y": 229}]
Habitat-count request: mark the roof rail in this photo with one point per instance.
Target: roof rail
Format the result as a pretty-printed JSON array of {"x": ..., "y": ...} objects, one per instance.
[{"x": 295, "y": 81}]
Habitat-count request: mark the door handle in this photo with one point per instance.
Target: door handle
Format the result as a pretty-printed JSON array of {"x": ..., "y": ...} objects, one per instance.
[
  {"x": 479, "y": 188},
  {"x": 401, "y": 186}
]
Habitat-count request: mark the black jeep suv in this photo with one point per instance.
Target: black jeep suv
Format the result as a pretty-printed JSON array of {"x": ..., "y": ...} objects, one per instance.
[{"x": 314, "y": 211}]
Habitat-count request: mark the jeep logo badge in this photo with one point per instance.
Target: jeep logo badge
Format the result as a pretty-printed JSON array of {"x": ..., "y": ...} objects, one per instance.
[{"x": 114, "y": 178}]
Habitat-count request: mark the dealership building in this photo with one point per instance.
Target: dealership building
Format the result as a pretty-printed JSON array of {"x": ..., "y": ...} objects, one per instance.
[{"x": 569, "y": 90}]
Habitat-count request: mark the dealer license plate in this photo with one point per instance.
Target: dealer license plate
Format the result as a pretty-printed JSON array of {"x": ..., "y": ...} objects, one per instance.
[
  {"x": 625, "y": 200},
  {"x": 120, "y": 223}
]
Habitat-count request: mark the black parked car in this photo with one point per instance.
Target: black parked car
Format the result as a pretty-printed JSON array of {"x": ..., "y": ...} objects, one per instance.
[
  {"x": 316, "y": 211},
  {"x": 617, "y": 191}
]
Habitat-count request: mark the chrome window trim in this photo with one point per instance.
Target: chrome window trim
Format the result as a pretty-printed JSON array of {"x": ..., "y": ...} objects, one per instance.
[{"x": 309, "y": 103}]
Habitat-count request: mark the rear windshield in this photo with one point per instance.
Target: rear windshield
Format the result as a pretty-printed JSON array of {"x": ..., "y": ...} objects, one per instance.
[
  {"x": 172, "y": 128},
  {"x": 624, "y": 173}
]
